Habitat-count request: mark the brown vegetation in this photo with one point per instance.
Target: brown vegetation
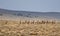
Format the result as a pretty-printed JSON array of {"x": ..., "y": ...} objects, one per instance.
[{"x": 29, "y": 28}]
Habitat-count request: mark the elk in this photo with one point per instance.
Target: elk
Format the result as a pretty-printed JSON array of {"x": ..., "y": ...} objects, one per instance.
[
  {"x": 20, "y": 22},
  {"x": 3, "y": 21},
  {"x": 32, "y": 22},
  {"x": 53, "y": 22},
  {"x": 43, "y": 22},
  {"x": 6, "y": 22}
]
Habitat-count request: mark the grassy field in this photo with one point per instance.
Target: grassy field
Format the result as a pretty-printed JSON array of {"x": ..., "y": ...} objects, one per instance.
[{"x": 16, "y": 28}]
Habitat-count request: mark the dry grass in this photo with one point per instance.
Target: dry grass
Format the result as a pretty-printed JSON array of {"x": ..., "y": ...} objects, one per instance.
[{"x": 15, "y": 28}]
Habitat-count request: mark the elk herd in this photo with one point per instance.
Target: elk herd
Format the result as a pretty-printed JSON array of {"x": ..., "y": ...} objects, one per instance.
[{"x": 27, "y": 22}]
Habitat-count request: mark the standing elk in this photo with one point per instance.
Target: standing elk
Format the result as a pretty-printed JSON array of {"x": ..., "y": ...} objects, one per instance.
[
  {"x": 32, "y": 22},
  {"x": 20, "y": 22},
  {"x": 53, "y": 22}
]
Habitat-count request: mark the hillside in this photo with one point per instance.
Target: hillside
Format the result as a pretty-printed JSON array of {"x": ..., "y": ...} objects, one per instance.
[{"x": 31, "y": 14}]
